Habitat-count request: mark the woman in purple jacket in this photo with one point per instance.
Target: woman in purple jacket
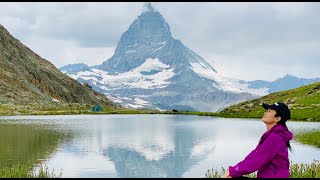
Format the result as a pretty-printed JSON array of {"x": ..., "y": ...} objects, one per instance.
[{"x": 270, "y": 157}]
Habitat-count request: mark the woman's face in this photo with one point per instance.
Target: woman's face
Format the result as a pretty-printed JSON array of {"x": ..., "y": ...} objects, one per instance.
[{"x": 269, "y": 117}]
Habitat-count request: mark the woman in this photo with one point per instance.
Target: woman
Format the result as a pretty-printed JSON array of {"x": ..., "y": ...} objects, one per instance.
[{"x": 270, "y": 157}]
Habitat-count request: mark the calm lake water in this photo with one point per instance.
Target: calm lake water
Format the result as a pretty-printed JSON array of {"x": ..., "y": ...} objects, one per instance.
[{"x": 136, "y": 145}]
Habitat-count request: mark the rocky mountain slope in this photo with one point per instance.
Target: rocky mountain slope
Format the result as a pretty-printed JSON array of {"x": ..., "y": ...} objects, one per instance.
[{"x": 25, "y": 78}]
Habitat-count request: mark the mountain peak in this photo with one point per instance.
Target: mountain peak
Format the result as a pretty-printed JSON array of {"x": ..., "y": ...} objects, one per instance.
[
  {"x": 288, "y": 75},
  {"x": 149, "y": 26},
  {"x": 286, "y": 78},
  {"x": 147, "y": 7},
  {"x": 151, "y": 22}
]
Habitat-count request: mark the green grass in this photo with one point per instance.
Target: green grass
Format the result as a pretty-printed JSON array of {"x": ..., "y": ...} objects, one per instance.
[
  {"x": 24, "y": 171},
  {"x": 297, "y": 170},
  {"x": 305, "y": 170},
  {"x": 66, "y": 109},
  {"x": 304, "y": 103},
  {"x": 310, "y": 138},
  {"x": 217, "y": 174}
]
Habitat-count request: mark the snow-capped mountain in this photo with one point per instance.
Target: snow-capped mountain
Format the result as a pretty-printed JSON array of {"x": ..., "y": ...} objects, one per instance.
[
  {"x": 151, "y": 69},
  {"x": 261, "y": 87}
]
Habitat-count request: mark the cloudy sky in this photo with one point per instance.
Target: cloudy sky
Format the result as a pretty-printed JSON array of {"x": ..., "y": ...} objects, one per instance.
[{"x": 243, "y": 40}]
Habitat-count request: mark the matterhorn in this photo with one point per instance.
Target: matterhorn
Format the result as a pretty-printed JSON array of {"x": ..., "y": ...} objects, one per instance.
[{"x": 151, "y": 69}]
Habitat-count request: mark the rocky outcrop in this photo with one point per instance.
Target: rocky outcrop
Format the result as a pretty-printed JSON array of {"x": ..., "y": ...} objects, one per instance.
[{"x": 25, "y": 77}]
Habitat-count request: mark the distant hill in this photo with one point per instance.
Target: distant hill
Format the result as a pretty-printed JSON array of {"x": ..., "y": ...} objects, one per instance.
[
  {"x": 304, "y": 103},
  {"x": 261, "y": 87},
  {"x": 25, "y": 77},
  {"x": 72, "y": 68}
]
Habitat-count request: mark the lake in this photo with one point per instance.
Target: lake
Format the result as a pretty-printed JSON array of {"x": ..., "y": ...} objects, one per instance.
[{"x": 137, "y": 145}]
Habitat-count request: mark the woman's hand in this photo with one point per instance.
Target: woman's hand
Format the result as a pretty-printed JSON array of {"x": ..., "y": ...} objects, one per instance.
[{"x": 226, "y": 174}]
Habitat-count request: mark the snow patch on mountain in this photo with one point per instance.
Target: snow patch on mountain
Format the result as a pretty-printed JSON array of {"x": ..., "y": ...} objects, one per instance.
[
  {"x": 206, "y": 72},
  {"x": 260, "y": 92},
  {"x": 135, "y": 102},
  {"x": 140, "y": 101},
  {"x": 158, "y": 48},
  {"x": 244, "y": 86},
  {"x": 114, "y": 99},
  {"x": 132, "y": 51},
  {"x": 133, "y": 78},
  {"x": 133, "y": 106}
]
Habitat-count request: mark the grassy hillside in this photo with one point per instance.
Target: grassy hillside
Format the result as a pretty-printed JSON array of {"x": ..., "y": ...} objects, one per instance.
[{"x": 304, "y": 103}]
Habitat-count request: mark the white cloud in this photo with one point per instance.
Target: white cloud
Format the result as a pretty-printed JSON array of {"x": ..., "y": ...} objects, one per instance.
[
  {"x": 270, "y": 63},
  {"x": 289, "y": 10},
  {"x": 239, "y": 37},
  {"x": 63, "y": 52}
]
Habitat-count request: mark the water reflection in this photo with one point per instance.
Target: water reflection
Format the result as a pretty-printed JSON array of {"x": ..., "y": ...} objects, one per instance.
[
  {"x": 27, "y": 144},
  {"x": 132, "y": 163},
  {"x": 137, "y": 145}
]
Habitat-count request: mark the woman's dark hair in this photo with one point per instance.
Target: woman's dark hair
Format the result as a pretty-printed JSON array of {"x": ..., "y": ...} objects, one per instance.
[{"x": 283, "y": 122}]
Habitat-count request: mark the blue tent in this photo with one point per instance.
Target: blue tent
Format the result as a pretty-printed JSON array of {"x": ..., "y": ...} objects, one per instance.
[{"x": 97, "y": 108}]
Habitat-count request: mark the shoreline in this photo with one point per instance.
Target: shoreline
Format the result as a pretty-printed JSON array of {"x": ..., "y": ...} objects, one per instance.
[{"x": 133, "y": 112}]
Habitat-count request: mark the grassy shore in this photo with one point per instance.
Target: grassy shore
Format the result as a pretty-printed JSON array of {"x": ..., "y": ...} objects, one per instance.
[
  {"x": 302, "y": 116},
  {"x": 75, "y": 108},
  {"x": 309, "y": 137},
  {"x": 25, "y": 171},
  {"x": 297, "y": 170}
]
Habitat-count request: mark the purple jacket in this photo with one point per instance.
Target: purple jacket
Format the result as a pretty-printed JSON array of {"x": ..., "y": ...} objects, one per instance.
[{"x": 270, "y": 157}]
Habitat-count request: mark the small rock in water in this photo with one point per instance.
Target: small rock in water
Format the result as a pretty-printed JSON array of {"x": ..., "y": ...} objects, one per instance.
[{"x": 309, "y": 119}]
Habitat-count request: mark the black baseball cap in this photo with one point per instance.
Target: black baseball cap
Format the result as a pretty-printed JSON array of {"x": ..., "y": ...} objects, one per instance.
[{"x": 282, "y": 109}]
